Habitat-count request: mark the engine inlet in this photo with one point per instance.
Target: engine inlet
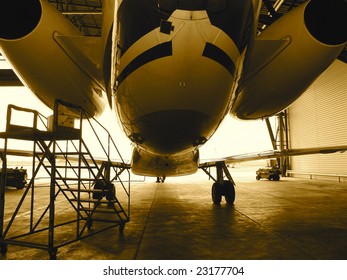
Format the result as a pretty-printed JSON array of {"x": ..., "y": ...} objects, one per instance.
[
  {"x": 19, "y": 18},
  {"x": 327, "y": 21}
]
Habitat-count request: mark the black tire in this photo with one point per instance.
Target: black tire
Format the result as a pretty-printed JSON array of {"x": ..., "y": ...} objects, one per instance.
[
  {"x": 216, "y": 193},
  {"x": 257, "y": 177},
  {"x": 229, "y": 192},
  {"x": 20, "y": 185},
  {"x": 276, "y": 177}
]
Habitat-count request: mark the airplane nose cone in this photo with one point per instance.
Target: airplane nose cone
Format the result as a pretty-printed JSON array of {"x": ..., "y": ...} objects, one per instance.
[{"x": 170, "y": 132}]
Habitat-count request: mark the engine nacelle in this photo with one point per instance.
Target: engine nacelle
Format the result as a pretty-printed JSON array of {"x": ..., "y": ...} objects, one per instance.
[
  {"x": 29, "y": 39},
  {"x": 289, "y": 55}
]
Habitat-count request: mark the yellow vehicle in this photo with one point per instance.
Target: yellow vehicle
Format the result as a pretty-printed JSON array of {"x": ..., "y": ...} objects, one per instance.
[
  {"x": 16, "y": 177},
  {"x": 270, "y": 173}
]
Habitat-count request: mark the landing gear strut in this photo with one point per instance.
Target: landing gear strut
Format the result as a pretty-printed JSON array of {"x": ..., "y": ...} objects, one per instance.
[
  {"x": 220, "y": 186},
  {"x": 161, "y": 179}
]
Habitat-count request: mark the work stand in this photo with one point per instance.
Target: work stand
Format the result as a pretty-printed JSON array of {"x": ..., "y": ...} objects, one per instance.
[{"x": 81, "y": 196}]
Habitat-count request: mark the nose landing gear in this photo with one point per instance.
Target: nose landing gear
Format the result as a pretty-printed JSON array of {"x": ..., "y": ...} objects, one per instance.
[{"x": 161, "y": 179}]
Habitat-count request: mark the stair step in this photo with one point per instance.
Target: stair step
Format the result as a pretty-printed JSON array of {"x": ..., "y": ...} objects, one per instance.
[
  {"x": 121, "y": 221},
  {"x": 85, "y": 190},
  {"x": 100, "y": 210},
  {"x": 70, "y": 153},
  {"x": 77, "y": 179},
  {"x": 73, "y": 167},
  {"x": 94, "y": 200},
  {"x": 119, "y": 164}
]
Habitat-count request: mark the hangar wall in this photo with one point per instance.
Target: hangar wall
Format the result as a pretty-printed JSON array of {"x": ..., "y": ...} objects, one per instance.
[{"x": 319, "y": 118}]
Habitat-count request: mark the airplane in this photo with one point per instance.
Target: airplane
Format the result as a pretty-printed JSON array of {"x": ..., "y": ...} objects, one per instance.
[{"x": 174, "y": 69}]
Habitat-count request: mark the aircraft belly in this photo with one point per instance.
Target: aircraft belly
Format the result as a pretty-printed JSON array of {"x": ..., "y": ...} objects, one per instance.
[
  {"x": 184, "y": 98},
  {"x": 179, "y": 101},
  {"x": 174, "y": 89},
  {"x": 166, "y": 84}
]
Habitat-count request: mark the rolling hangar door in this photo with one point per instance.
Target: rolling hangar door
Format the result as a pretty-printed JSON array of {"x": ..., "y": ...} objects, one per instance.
[{"x": 317, "y": 119}]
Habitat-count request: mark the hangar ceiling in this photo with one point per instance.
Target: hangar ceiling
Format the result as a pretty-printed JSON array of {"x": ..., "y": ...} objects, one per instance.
[{"x": 86, "y": 16}]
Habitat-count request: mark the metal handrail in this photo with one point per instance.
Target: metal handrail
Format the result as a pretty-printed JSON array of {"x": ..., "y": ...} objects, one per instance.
[
  {"x": 110, "y": 141},
  {"x": 37, "y": 116},
  {"x": 85, "y": 115}
]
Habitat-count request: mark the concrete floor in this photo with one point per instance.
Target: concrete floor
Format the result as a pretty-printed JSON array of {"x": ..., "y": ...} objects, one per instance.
[{"x": 289, "y": 219}]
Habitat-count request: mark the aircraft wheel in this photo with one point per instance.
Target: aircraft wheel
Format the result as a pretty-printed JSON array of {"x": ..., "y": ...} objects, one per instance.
[
  {"x": 20, "y": 186},
  {"x": 229, "y": 192},
  {"x": 216, "y": 193}
]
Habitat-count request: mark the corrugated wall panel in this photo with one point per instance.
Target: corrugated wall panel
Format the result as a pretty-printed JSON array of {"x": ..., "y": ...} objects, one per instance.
[{"x": 319, "y": 118}]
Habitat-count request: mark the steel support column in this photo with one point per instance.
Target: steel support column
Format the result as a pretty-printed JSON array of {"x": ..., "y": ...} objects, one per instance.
[{"x": 280, "y": 140}]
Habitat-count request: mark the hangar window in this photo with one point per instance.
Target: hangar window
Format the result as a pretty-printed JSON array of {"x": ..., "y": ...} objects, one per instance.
[{"x": 213, "y": 6}]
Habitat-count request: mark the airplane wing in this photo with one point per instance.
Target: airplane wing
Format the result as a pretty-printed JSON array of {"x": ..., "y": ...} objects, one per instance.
[
  {"x": 26, "y": 153},
  {"x": 272, "y": 154},
  {"x": 11, "y": 152}
]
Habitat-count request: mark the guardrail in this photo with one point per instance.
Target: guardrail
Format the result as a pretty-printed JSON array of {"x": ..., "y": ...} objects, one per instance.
[{"x": 317, "y": 174}]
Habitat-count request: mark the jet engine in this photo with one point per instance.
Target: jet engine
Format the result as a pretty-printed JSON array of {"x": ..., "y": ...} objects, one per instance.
[
  {"x": 289, "y": 55},
  {"x": 45, "y": 49}
]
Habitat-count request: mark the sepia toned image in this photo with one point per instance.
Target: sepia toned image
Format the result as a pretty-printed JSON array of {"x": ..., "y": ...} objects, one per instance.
[{"x": 173, "y": 130}]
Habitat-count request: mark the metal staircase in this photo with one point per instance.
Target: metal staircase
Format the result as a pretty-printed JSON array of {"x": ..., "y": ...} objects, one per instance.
[{"x": 84, "y": 195}]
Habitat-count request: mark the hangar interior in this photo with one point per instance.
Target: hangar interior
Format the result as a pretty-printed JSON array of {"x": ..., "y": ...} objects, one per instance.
[{"x": 283, "y": 227}]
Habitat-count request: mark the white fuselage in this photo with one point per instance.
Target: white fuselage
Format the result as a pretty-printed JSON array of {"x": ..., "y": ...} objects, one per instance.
[{"x": 183, "y": 92}]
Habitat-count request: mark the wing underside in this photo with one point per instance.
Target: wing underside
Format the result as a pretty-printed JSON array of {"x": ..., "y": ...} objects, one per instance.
[{"x": 273, "y": 154}]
